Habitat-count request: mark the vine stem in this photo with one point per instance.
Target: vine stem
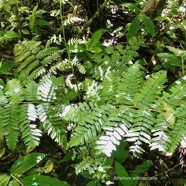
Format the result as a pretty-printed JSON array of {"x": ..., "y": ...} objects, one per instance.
[
  {"x": 96, "y": 14},
  {"x": 65, "y": 42},
  {"x": 183, "y": 67}
]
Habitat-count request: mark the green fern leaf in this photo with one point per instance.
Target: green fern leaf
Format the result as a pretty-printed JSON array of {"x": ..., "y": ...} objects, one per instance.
[
  {"x": 52, "y": 123},
  {"x": 47, "y": 52},
  {"x": 140, "y": 131},
  {"x": 90, "y": 121},
  {"x": 11, "y": 125},
  {"x": 151, "y": 90},
  {"x": 33, "y": 60},
  {"x": 179, "y": 129},
  {"x": 129, "y": 84},
  {"x": 30, "y": 133},
  {"x": 46, "y": 90}
]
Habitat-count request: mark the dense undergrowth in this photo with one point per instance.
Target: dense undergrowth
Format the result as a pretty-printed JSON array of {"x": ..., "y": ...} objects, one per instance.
[{"x": 92, "y": 93}]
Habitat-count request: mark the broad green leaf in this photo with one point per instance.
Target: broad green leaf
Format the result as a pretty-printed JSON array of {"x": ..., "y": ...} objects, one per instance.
[
  {"x": 75, "y": 48},
  {"x": 120, "y": 155},
  {"x": 170, "y": 61},
  {"x": 11, "y": 35},
  {"x": 131, "y": 6},
  {"x": 32, "y": 21},
  {"x": 6, "y": 66},
  {"x": 142, "y": 168},
  {"x": 96, "y": 36},
  {"x": 42, "y": 22},
  {"x": 149, "y": 25},
  {"x": 133, "y": 176},
  {"x": 4, "y": 179},
  {"x": 7, "y": 8},
  {"x": 169, "y": 114},
  {"x": 13, "y": 87},
  {"x": 12, "y": 2},
  {"x": 178, "y": 52},
  {"x": 13, "y": 183},
  {"x": 91, "y": 183},
  {"x": 149, "y": 5},
  {"x": 67, "y": 157},
  {"x": 25, "y": 31},
  {"x": 32, "y": 17},
  {"x": 95, "y": 49},
  {"x": 25, "y": 163},
  {"x": 133, "y": 28},
  {"x": 2, "y": 151},
  {"x": 49, "y": 166},
  {"x": 122, "y": 174},
  {"x": 118, "y": 29},
  {"x": 40, "y": 180},
  {"x": 34, "y": 9},
  {"x": 161, "y": 18}
]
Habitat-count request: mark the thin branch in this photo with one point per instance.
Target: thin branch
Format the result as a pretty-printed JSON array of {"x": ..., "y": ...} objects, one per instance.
[{"x": 96, "y": 14}]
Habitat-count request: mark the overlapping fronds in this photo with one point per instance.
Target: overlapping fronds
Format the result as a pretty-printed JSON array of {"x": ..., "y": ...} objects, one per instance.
[
  {"x": 33, "y": 60},
  {"x": 23, "y": 110},
  {"x": 133, "y": 108},
  {"x": 52, "y": 123}
]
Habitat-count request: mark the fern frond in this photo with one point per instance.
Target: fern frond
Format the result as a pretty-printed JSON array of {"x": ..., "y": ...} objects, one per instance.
[
  {"x": 129, "y": 84},
  {"x": 119, "y": 122},
  {"x": 176, "y": 135},
  {"x": 34, "y": 59},
  {"x": 90, "y": 121},
  {"x": 115, "y": 57},
  {"x": 140, "y": 131},
  {"x": 160, "y": 132},
  {"x": 109, "y": 88},
  {"x": 31, "y": 91},
  {"x": 52, "y": 123},
  {"x": 170, "y": 111},
  {"x": 76, "y": 41},
  {"x": 46, "y": 52},
  {"x": 30, "y": 133},
  {"x": 95, "y": 166},
  {"x": 151, "y": 90},
  {"x": 92, "y": 90},
  {"x": 71, "y": 20},
  {"x": 11, "y": 125},
  {"x": 178, "y": 131},
  {"x": 46, "y": 90}
]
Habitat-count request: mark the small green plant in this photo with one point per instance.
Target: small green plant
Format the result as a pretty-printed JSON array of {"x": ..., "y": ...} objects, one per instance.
[
  {"x": 98, "y": 106},
  {"x": 21, "y": 173}
]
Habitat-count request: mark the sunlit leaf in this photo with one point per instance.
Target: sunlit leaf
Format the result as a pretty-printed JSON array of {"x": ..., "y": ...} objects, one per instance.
[
  {"x": 42, "y": 181},
  {"x": 133, "y": 28},
  {"x": 170, "y": 61},
  {"x": 11, "y": 35},
  {"x": 49, "y": 166},
  {"x": 25, "y": 163},
  {"x": 149, "y": 25},
  {"x": 4, "y": 179},
  {"x": 122, "y": 174}
]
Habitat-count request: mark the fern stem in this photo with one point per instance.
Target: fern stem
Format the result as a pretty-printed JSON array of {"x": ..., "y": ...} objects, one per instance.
[
  {"x": 18, "y": 18},
  {"x": 65, "y": 43}
]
